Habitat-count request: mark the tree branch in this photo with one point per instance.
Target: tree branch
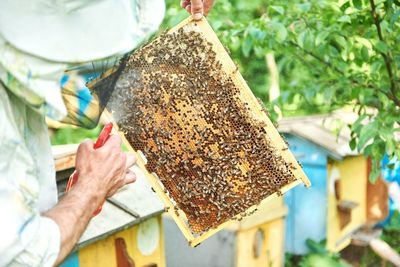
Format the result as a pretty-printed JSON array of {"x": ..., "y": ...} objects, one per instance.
[
  {"x": 330, "y": 65},
  {"x": 386, "y": 56},
  {"x": 316, "y": 57}
]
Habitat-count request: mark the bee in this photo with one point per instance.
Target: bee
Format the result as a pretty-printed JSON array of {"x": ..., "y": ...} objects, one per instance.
[{"x": 298, "y": 162}]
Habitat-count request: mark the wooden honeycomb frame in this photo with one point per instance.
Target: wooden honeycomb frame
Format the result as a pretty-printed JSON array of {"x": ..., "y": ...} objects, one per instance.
[{"x": 257, "y": 112}]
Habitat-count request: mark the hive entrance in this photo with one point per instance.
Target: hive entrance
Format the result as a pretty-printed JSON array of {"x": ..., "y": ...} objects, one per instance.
[{"x": 183, "y": 104}]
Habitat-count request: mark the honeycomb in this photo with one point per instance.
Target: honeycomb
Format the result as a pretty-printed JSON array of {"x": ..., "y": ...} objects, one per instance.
[{"x": 176, "y": 104}]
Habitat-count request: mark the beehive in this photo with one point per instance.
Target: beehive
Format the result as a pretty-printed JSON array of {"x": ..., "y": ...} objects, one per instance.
[{"x": 206, "y": 144}]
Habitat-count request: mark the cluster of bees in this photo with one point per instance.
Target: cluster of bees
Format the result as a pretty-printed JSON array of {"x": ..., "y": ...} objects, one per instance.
[{"x": 177, "y": 105}]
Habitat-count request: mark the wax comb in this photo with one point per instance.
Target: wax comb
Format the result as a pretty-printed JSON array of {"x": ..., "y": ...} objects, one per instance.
[{"x": 203, "y": 140}]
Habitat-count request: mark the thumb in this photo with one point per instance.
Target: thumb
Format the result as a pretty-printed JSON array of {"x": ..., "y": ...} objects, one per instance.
[
  {"x": 130, "y": 177},
  {"x": 197, "y": 9}
]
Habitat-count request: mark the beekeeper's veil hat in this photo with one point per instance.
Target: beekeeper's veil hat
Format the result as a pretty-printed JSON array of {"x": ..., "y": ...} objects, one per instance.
[{"x": 78, "y": 30}]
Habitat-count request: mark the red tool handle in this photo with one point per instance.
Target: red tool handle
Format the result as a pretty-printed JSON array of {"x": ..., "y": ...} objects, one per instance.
[{"x": 101, "y": 140}]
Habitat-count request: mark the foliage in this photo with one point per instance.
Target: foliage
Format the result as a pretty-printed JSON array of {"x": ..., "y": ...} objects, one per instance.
[
  {"x": 73, "y": 135},
  {"x": 76, "y": 135},
  {"x": 330, "y": 54},
  {"x": 289, "y": 260},
  {"x": 316, "y": 260},
  {"x": 391, "y": 232},
  {"x": 318, "y": 256},
  {"x": 391, "y": 235}
]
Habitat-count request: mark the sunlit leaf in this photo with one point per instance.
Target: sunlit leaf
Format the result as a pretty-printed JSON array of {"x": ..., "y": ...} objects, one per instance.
[
  {"x": 304, "y": 7},
  {"x": 367, "y": 133},
  {"x": 278, "y": 9},
  {"x": 345, "y": 18},
  {"x": 381, "y": 47}
]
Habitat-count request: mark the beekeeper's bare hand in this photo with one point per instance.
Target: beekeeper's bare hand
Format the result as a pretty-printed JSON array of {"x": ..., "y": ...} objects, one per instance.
[
  {"x": 101, "y": 172},
  {"x": 105, "y": 169},
  {"x": 197, "y": 8}
]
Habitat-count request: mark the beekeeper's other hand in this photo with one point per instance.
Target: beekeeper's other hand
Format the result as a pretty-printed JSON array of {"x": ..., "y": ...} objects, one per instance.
[{"x": 197, "y": 8}]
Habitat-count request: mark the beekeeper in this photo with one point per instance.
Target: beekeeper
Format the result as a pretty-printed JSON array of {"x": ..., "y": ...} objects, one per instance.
[{"x": 39, "y": 40}]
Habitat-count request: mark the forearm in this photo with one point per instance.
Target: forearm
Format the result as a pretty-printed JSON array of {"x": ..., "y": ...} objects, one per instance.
[
  {"x": 101, "y": 172},
  {"x": 73, "y": 213}
]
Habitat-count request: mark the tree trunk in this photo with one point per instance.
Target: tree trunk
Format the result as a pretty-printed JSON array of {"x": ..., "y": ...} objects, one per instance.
[
  {"x": 274, "y": 77},
  {"x": 386, "y": 252}
]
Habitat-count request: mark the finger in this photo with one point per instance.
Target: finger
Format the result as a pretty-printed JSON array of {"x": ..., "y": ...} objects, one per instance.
[
  {"x": 130, "y": 160},
  {"x": 197, "y": 9},
  {"x": 184, "y": 3},
  {"x": 130, "y": 177},
  {"x": 116, "y": 186},
  {"x": 207, "y": 6},
  {"x": 86, "y": 144},
  {"x": 112, "y": 192},
  {"x": 83, "y": 150},
  {"x": 188, "y": 8},
  {"x": 113, "y": 141}
]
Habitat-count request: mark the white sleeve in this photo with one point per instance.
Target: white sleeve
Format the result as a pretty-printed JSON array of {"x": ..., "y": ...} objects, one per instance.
[{"x": 26, "y": 237}]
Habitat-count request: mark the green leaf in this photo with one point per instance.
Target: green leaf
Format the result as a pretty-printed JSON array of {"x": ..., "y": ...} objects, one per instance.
[
  {"x": 381, "y": 47},
  {"x": 309, "y": 41},
  {"x": 394, "y": 18},
  {"x": 342, "y": 66},
  {"x": 364, "y": 53},
  {"x": 217, "y": 24},
  {"x": 341, "y": 41},
  {"x": 345, "y": 18},
  {"x": 321, "y": 36},
  {"x": 367, "y": 150},
  {"x": 316, "y": 247},
  {"x": 367, "y": 133},
  {"x": 386, "y": 134},
  {"x": 390, "y": 147},
  {"x": 376, "y": 66},
  {"x": 353, "y": 144},
  {"x": 256, "y": 33},
  {"x": 397, "y": 153},
  {"x": 278, "y": 9},
  {"x": 385, "y": 26},
  {"x": 378, "y": 149},
  {"x": 305, "y": 7},
  {"x": 246, "y": 46},
  {"x": 281, "y": 32},
  {"x": 373, "y": 176},
  {"x": 333, "y": 51},
  {"x": 365, "y": 42},
  {"x": 259, "y": 51},
  {"x": 301, "y": 39},
  {"x": 357, "y": 4},
  {"x": 344, "y": 6},
  {"x": 234, "y": 43},
  {"x": 391, "y": 166}
]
